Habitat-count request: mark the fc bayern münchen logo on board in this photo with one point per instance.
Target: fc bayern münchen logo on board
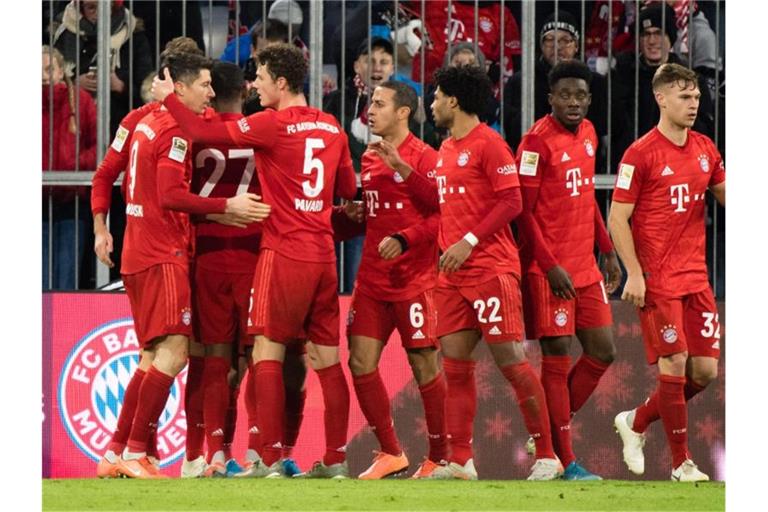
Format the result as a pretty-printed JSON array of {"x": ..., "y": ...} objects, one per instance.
[{"x": 92, "y": 387}]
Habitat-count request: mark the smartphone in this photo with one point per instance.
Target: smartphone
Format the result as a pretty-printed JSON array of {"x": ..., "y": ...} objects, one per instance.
[{"x": 94, "y": 70}]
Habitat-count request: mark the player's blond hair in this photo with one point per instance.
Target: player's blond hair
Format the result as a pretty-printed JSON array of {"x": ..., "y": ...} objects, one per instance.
[{"x": 674, "y": 74}]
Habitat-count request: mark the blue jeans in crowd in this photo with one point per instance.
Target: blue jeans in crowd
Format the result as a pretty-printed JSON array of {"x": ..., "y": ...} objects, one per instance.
[
  {"x": 64, "y": 257},
  {"x": 353, "y": 251}
]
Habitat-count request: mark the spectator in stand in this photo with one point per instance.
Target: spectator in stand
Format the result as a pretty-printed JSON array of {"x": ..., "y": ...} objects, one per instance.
[
  {"x": 172, "y": 16},
  {"x": 656, "y": 40},
  {"x": 61, "y": 122},
  {"x": 80, "y": 23},
  {"x": 263, "y": 34},
  {"x": 558, "y": 42}
]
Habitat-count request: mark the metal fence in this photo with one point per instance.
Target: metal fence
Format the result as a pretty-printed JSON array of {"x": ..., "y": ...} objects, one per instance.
[{"x": 610, "y": 39}]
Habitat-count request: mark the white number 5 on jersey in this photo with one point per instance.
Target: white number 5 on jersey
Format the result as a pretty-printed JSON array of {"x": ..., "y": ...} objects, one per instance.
[{"x": 310, "y": 163}]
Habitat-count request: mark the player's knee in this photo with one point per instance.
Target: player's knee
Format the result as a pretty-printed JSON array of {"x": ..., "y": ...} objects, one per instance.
[
  {"x": 605, "y": 353},
  {"x": 423, "y": 365},
  {"x": 360, "y": 365},
  {"x": 673, "y": 364},
  {"x": 703, "y": 376},
  {"x": 555, "y": 346}
]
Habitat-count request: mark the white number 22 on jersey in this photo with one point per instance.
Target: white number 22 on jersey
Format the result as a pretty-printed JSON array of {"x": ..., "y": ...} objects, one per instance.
[
  {"x": 221, "y": 164},
  {"x": 310, "y": 163}
]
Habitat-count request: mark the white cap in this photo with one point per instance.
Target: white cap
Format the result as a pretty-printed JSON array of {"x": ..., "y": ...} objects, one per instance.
[{"x": 286, "y": 11}]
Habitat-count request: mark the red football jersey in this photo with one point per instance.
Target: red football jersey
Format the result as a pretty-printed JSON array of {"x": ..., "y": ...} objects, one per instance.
[
  {"x": 462, "y": 28},
  {"x": 561, "y": 164},
  {"x": 116, "y": 159},
  {"x": 667, "y": 184},
  {"x": 225, "y": 171},
  {"x": 390, "y": 209},
  {"x": 469, "y": 172},
  {"x": 159, "y": 170},
  {"x": 299, "y": 151}
]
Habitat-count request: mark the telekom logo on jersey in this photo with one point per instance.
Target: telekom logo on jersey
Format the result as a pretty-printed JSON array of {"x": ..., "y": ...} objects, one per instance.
[{"x": 679, "y": 197}]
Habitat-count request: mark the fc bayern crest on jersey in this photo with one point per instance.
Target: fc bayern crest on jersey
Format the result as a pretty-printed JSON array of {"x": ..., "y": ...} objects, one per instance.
[
  {"x": 463, "y": 158},
  {"x": 589, "y": 147},
  {"x": 669, "y": 333},
  {"x": 561, "y": 317},
  {"x": 704, "y": 162},
  {"x": 486, "y": 25},
  {"x": 92, "y": 388}
]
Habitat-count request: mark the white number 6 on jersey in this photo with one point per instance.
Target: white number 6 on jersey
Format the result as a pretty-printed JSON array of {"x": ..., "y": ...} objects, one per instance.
[{"x": 310, "y": 163}]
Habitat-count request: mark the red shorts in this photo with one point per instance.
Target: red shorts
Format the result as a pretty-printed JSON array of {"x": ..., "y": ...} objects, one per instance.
[
  {"x": 294, "y": 300},
  {"x": 547, "y": 315},
  {"x": 415, "y": 319},
  {"x": 673, "y": 325},
  {"x": 221, "y": 301},
  {"x": 160, "y": 302},
  {"x": 493, "y": 307}
]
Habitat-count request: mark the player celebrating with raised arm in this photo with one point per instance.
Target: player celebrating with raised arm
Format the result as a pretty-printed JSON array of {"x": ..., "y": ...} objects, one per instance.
[
  {"x": 396, "y": 278},
  {"x": 564, "y": 295},
  {"x": 298, "y": 151},
  {"x": 661, "y": 185},
  {"x": 155, "y": 260},
  {"x": 478, "y": 292}
]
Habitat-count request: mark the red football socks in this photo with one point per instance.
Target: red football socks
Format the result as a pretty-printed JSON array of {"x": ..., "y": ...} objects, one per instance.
[
  {"x": 153, "y": 395},
  {"x": 193, "y": 407},
  {"x": 648, "y": 412},
  {"x": 373, "y": 399},
  {"x": 433, "y": 397},
  {"x": 127, "y": 411},
  {"x": 583, "y": 379},
  {"x": 533, "y": 405},
  {"x": 251, "y": 408},
  {"x": 336, "y": 415},
  {"x": 231, "y": 421},
  {"x": 460, "y": 407},
  {"x": 294, "y": 415},
  {"x": 270, "y": 401},
  {"x": 554, "y": 380},
  {"x": 216, "y": 401},
  {"x": 674, "y": 415}
]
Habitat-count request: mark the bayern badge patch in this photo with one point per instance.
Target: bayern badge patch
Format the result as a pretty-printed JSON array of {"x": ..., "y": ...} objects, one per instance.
[{"x": 92, "y": 388}]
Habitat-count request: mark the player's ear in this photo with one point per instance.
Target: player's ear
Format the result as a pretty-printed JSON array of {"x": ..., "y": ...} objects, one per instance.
[{"x": 550, "y": 97}]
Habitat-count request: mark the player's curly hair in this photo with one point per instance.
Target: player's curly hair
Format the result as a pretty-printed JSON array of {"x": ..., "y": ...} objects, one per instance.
[
  {"x": 227, "y": 81},
  {"x": 470, "y": 85},
  {"x": 185, "y": 67},
  {"x": 287, "y": 61},
  {"x": 569, "y": 69}
]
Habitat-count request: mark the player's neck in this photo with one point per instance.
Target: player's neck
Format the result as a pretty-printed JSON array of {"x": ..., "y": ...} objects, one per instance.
[
  {"x": 463, "y": 124},
  {"x": 292, "y": 100},
  {"x": 677, "y": 134},
  {"x": 397, "y": 136}
]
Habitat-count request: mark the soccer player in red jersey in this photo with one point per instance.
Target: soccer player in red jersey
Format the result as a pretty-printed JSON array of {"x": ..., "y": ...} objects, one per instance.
[
  {"x": 478, "y": 292},
  {"x": 155, "y": 263},
  {"x": 300, "y": 151},
  {"x": 115, "y": 161},
  {"x": 563, "y": 290},
  {"x": 661, "y": 185},
  {"x": 396, "y": 277}
]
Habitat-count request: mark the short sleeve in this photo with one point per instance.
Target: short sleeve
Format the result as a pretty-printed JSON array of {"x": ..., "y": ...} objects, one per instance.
[
  {"x": 629, "y": 177},
  {"x": 258, "y": 130},
  {"x": 532, "y": 159},
  {"x": 718, "y": 171},
  {"x": 499, "y": 165}
]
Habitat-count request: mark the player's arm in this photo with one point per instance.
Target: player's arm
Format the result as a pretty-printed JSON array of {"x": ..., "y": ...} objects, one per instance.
[
  {"x": 508, "y": 204},
  {"x": 106, "y": 174},
  {"x": 346, "y": 180},
  {"x": 421, "y": 189},
  {"x": 717, "y": 181},
  {"x": 610, "y": 260},
  {"x": 421, "y": 232},
  {"x": 719, "y": 192},
  {"x": 618, "y": 225},
  {"x": 347, "y": 221}
]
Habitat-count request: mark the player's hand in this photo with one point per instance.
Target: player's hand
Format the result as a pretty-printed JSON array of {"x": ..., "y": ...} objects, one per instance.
[
  {"x": 248, "y": 207},
  {"x": 390, "y": 248},
  {"x": 612, "y": 270},
  {"x": 355, "y": 211},
  {"x": 389, "y": 155},
  {"x": 455, "y": 256},
  {"x": 103, "y": 247},
  {"x": 228, "y": 219},
  {"x": 162, "y": 87},
  {"x": 634, "y": 290},
  {"x": 561, "y": 283}
]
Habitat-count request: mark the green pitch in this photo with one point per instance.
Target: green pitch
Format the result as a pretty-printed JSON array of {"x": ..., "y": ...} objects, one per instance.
[{"x": 389, "y": 495}]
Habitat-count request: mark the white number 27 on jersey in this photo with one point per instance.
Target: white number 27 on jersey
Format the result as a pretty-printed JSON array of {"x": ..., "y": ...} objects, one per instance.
[{"x": 221, "y": 164}]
